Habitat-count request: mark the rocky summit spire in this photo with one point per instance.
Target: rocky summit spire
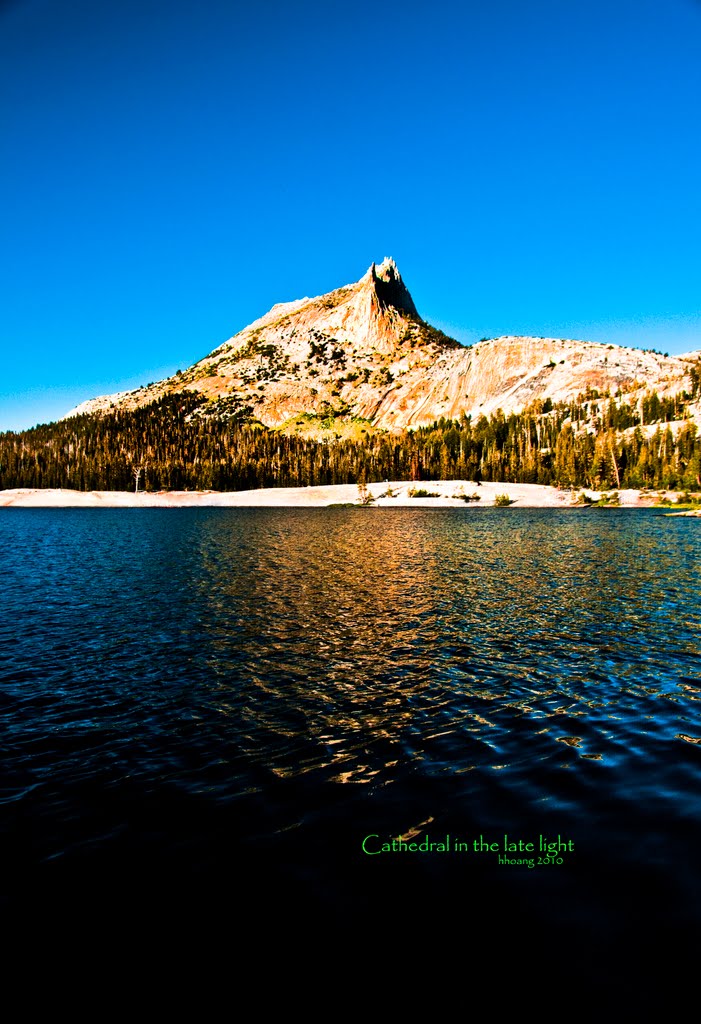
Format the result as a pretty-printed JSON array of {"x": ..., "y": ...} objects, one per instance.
[{"x": 389, "y": 287}]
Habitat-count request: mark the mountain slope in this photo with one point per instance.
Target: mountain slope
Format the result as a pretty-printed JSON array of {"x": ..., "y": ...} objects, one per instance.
[{"x": 363, "y": 351}]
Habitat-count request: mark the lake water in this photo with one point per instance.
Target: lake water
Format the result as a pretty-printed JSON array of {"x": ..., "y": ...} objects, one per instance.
[{"x": 210, "y": 711}]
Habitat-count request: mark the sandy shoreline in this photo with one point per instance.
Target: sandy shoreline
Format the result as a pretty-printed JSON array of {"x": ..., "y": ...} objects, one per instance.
[{"x": 448, "y": 496}]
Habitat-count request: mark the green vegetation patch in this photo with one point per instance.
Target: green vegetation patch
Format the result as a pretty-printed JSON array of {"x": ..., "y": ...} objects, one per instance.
[
  {"x": 330, "y": 425},
  {"x": 589, "y": 501},
  {"x": 682, "y": 501}
]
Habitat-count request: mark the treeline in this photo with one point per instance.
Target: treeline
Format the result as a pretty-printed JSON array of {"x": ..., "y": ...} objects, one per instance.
[{"x": 176, "y": 448}]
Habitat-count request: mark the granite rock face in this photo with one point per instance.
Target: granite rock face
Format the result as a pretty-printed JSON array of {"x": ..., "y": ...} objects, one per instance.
[{"x": 364, "y": 351}]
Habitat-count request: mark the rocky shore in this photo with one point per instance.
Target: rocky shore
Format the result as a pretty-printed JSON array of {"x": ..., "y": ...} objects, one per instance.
[{"x": 443, "y": 493}]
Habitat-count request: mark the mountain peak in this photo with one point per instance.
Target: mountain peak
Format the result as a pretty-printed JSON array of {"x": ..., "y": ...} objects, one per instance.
[
  {"x": 387, "y": 269},
  {"x": 386, "y": 281}
]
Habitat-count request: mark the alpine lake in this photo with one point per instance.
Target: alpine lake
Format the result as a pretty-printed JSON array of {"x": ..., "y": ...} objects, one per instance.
[{"x": 375, "y": 719}]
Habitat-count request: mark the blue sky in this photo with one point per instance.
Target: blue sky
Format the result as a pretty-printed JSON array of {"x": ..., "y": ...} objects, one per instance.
[{"x": 173, "y": 169}]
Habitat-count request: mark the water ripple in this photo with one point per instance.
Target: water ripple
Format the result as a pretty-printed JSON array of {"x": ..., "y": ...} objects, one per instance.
[{"x": 523, "y": 667}]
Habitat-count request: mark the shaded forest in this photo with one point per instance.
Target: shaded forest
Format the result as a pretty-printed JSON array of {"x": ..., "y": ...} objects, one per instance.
[{"x": 593, "y": 442}]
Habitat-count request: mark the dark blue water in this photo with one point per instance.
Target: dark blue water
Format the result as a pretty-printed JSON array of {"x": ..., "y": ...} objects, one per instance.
[{"x": 207, "y": 711}]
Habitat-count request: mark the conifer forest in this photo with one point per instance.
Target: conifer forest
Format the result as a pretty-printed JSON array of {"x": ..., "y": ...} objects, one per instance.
[{"x": 593, "y": 441}]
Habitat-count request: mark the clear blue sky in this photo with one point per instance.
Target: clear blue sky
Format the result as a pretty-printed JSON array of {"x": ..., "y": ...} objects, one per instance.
[{"x": 172, "y": 169}]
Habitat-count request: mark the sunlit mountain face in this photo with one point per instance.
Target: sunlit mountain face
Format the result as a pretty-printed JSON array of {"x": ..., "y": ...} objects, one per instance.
[{"x": 362, "y": 352}]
